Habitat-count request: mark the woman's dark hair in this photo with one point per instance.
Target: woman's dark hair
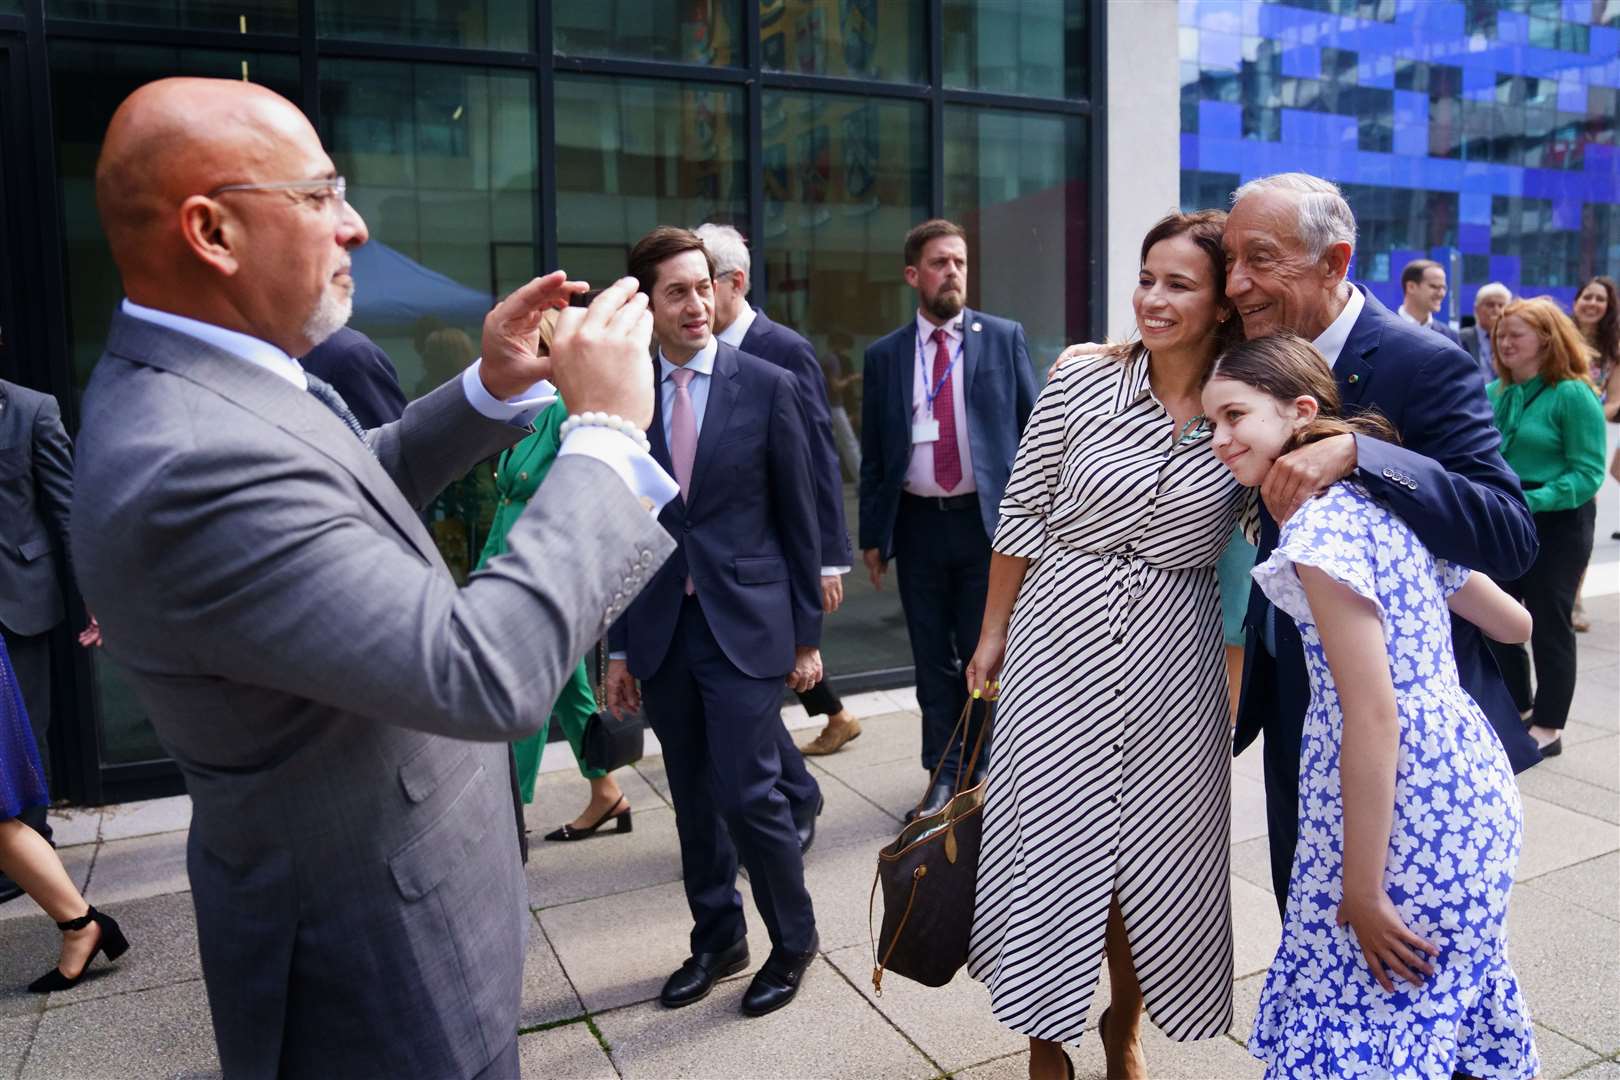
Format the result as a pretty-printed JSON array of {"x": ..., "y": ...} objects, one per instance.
[
  {"x": 1605, "y": 337},
  {"x": 1285, "y": 366},
  {"x": 1204, "y": 228}
]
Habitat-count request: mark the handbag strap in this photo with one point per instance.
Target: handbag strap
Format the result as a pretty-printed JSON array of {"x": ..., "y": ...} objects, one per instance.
[
  {"x": 879, "y": 965},
  {"x": 601, "y": 676},
  {"x": 962, "y": 759}
]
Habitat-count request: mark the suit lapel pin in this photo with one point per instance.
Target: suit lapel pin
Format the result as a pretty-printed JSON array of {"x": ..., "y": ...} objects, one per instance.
[
  {"x": 1354, "y": 378},
  {"x": 977, "y": 327}
]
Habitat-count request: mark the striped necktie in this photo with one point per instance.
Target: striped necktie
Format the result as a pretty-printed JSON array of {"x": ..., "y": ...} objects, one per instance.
[{"x": 324, "y": 393}]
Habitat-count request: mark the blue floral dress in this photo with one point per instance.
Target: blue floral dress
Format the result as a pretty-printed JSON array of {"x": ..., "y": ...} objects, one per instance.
[{"x": 1452, "y": 850}]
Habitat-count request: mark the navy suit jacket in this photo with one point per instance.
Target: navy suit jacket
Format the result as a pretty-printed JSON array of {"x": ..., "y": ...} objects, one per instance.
[
  {"x": 788, "y": 350},
  {"x": 1444, "y": 328},
  {"x": 1447, "y": 480},
  {"x": 362, "y": 373},
  {"x": 747, "y": 534},
  {"x": 1469, "y": 339},
  {"x": 36, "y": 496},
  {"x": 999, "y": 387}
]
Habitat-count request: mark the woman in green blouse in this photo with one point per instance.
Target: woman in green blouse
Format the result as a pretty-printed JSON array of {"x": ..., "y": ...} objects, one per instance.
[
  {"x": 518, "y": 474},
  {"x": 1552, "y": 435}
]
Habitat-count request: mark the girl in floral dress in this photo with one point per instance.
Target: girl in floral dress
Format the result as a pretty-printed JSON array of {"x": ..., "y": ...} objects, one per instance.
[{"x": 1393, "y": 958}]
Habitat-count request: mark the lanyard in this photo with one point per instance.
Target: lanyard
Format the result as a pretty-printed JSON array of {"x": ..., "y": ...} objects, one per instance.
[{"x": 922, "y": 360}]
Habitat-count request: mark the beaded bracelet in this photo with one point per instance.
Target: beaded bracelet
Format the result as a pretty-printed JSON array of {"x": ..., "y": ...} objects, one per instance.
[{"x": 610, "y": 421}]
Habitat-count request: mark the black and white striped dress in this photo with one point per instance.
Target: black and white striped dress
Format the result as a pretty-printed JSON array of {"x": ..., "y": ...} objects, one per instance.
[{"x": 1111, "y": 767}]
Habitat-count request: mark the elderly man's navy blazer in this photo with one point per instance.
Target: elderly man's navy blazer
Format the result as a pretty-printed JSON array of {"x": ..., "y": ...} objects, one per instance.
[
  {"x": 361, "y": 373},
  {"x": 999, "y": 386},
  {"x": 747, "y": 535},
  {"x": 1447, "y": 480},
  {"x": 790, "y": 351}
]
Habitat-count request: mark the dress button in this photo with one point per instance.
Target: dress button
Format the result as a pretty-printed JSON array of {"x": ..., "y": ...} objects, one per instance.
[{"x": 523, "y": 476}]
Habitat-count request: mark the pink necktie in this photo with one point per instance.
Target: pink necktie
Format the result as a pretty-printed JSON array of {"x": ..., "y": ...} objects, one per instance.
[
  {"x": 683, "y": 438},
  {"x": 947, "y": 455}
]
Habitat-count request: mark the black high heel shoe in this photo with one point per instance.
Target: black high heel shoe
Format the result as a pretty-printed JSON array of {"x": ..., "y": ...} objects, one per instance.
[
  {"x": 568, "y": 832},
  {"x": 112, "y": 945}
]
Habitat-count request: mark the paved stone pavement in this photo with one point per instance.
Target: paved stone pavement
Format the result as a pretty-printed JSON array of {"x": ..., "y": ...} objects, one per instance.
[{"x": 610, "y": 922}]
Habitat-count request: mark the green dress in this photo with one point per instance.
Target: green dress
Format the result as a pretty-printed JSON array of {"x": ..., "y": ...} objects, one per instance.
[{"x": 518, "y": 474}]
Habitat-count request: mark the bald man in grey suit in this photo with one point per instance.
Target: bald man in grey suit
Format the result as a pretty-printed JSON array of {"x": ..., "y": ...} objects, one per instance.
[{"x": 336, "y": 704}]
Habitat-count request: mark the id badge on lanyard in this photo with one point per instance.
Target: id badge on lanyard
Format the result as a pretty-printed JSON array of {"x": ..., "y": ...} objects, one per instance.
[{"x": 926, "y": 429}]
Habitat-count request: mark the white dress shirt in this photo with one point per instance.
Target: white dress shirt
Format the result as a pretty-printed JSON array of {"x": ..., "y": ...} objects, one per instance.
[
  {"x": 1427, "y": 320},
  {"x": 1330, "y": 342},
  {"x": 640, "y": 473},
  {"x": 920, "y": 470}
]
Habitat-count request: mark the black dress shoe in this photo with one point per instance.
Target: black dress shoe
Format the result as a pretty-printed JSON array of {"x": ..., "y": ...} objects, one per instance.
[
  {"x": 9, "y": 890},
  {"x": 777, "y": 981},
  {"x": 935, "y": 800},
  {"x": 112, "y": 945},
  {"x": 1554, "y": 748},
  {"x": 694, "y": 979},
  {"x": 807, "y": 828},
  {"x": 619, "y": 813}
]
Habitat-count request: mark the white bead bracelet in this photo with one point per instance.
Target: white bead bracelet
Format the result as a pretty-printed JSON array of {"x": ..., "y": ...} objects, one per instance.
[{"x": 610, "y": 421}]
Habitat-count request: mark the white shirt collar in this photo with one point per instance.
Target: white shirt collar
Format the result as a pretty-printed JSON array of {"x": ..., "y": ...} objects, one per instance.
[
  {"x": 953, "y": 328},
  {"x": 244, "y": 346},
  {"x": 1331, "y": 341},
  {"x": 702, "y": 363},
  {"x": 733, "y": 335},
  {"x": 1409, "y": 317}
]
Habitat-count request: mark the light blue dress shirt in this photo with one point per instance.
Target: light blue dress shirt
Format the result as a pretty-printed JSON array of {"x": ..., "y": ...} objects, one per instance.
[{"x": 698, "y": 388}]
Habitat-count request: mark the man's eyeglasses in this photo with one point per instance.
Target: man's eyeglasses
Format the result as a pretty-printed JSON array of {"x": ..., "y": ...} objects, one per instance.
[{"x": 331, "y": 190}]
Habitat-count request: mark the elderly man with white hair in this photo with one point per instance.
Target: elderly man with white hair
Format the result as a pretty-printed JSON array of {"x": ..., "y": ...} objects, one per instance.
[
  {"x": 1488, "y": 305},
  {"x": 1289, "y": 241}
]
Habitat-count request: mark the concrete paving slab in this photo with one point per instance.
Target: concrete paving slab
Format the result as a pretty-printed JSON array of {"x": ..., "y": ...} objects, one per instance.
[
  {"x": 71, "y": 825},
  {"x": 1603, "y": 1070},
  {"x": 871, "y": 703},
  {"x": 840, "y": 883},
  {"x": 1596, "y": 762},
  {"x": 569, "y": 1052},
  {"x": 1245, "y": 1006},
  {"x": 607, "y": 863},
  {"x": 1012, "y": 1067},
  {"x": 1555, "y": 838},
  {"x": 888, "y": 737},
  {"x": 651, "y": 769},
  {"x": 951, "y": 1023},
  {"x": 138, "y": 867},
  {"x": 828, "y": 1031},
  {"x": 1561, "y": 1056},
  {"x": 1571, "y": 794},
  {"x": 1576, "y": 732},
  {"x": 1248, "y": 808},
  {"x": 162, "y": 932},
  {"x": 894, "y": 785},
  {"x": 548, "y": 996},
  {"x": 146, "y": 818},
  {"x": 559, "y": 796},
  {"x": 1563, "y": 956},
  {"x": 607, "y": 976},
  {"x": 1594, "y": 885},
  {"x": 28, "y": 949},
  {"x": 165, "y": 1032},
  {"x": 1251, "y": 762},
  {"x": 850, "y": 818},
  {"x": 1256, "y": 928},
  {"x": 16, "y": 1035},
  {"x": 1251, "y": 861},
  {"x": 75, "y": 860}
]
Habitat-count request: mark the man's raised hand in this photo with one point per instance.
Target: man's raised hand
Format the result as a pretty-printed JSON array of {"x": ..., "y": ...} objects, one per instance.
[
  {"x": 511, "y": 361},
  {"x": 600, "y": 355}
]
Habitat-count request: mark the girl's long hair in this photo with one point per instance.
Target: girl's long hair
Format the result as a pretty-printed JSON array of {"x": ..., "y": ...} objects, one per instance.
[
  {"x": 1564, "y": 352},
  {"x": 1285, "y": 366}
]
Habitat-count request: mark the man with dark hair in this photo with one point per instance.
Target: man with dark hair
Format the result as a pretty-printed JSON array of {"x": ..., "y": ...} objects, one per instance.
[
  {"x": 733, "y": 614},
  {"x": 1423, "y": 290},
  {"x": 946, "y": 399}
]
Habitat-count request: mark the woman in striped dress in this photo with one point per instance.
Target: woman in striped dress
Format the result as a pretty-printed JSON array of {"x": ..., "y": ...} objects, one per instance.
[{"x": 1107, "y": 805}]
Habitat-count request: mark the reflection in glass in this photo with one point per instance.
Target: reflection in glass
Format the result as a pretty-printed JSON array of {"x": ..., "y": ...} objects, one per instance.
[
  {"x": 845, "y": 178},
  {"x": 635, "y": 153},
  {"x": 88, "y": 80},
  {"x": 473, "y": 24},
  {"x": 441, "y": 164},
  {"x": 1016, "y": 46},
  {"x": 684, "y": 31},
  {"x": 1017, "y": 183},
  {"x": 230, "y": 16},
  {"x": 860, "y": 39}
]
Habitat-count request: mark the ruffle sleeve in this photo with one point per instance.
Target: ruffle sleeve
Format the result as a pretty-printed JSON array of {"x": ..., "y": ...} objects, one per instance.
[{"x": 1331, "y": 533}]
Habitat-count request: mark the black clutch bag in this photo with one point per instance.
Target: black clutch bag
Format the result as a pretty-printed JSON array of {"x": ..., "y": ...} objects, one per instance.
[{"x": 611, "y": 743}]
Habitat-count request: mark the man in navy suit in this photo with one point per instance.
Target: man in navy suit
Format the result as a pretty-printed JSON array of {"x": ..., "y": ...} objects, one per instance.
[
  {"x": 1423, "y": 291},
  {"x": 362, "y": 375},
  {"x": 946, "y": 399},
  {"x": 734, "y": 613},
  {"x": 1288, "y": 242}
]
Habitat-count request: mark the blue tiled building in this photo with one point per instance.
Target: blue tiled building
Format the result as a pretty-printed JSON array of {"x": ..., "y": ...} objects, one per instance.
[{"x": 1484, "y": 134}]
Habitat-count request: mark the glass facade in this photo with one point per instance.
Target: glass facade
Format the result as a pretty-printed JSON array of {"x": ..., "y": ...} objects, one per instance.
[
  {"x": 487, "y": 140},
  {"x": 1479, "y": 134}
]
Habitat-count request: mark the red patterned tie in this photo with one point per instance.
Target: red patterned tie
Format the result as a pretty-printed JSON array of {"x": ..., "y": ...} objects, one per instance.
[{"x": 947, "y": 458}]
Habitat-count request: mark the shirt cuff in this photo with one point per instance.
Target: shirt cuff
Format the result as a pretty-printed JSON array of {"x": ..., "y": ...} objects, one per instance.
[
  {"x": 834, "y": 571},
  {"x": 640, "y": 473},
  {"x": 519, "y": 411},
  {"x": 618, "y": 655}
]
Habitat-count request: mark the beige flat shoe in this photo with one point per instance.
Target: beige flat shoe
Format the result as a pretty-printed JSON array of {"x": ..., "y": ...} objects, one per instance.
[{"x": 832, "y": 739}]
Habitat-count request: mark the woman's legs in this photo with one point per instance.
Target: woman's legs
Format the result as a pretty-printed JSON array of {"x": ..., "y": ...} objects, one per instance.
[
  {"x": 573, "y": 712},
  {"x": 1549, "y": 594},
  {"x": 1122, "y": 1042},
  {"x": 32, "y": 863}
]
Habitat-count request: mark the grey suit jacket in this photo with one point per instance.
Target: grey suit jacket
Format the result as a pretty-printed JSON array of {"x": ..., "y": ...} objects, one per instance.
[
  {"x": 36, "y": 491},
  {"x": 335, "y": 702}
]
